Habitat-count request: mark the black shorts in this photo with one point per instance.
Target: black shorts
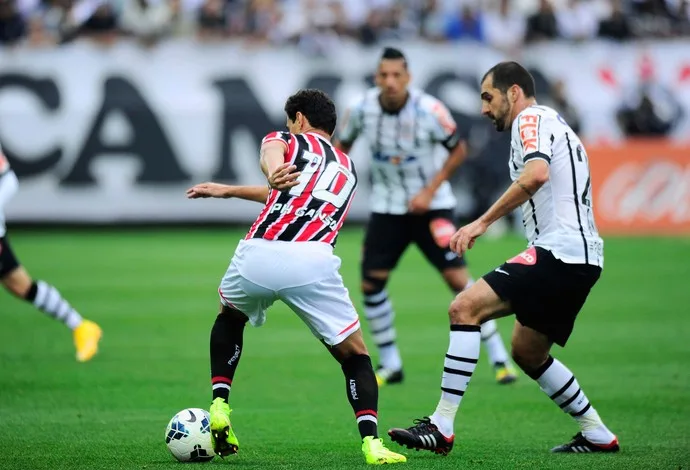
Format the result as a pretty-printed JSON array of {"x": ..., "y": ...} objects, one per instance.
[
  {"x": 545, "y": 293},
  {"x": 8, "y": 262},
  {"x": 388, "y": 235}
]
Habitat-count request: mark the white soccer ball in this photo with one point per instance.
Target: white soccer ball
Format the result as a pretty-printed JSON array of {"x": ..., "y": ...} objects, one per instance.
[{"x": 188, "y": 436}]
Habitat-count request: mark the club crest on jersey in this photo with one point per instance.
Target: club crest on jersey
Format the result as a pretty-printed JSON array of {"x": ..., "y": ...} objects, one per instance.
[
  {"x": 527, "y": 257},
  {"x": 529, "y": 124}
]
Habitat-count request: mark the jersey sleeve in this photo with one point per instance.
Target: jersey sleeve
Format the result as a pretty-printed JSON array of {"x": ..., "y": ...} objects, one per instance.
[
  {"x": 284, "y": 137},
  {"x": 444, "y": 128},
  {"x": 534, "y": 135},
  {"x": 351, "y": 126}
]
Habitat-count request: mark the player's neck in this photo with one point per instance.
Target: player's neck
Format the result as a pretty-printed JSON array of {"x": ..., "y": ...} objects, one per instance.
[
  {"x": 392, "y": 106},
  {"x": 317, "y": 131},
  {"x": 520, "y": 106}
]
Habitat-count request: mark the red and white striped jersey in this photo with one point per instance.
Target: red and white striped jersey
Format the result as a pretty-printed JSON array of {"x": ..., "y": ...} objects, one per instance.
[{"x": 316, "y": 208}]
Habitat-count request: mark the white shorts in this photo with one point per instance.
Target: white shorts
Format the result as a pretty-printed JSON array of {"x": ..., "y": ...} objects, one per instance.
[{"x": 304, "y": 275}]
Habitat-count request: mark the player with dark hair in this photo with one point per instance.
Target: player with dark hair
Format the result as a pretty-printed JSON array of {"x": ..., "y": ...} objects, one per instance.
[
  {"x": 288, "y": 255},
  {"x": 411, "y": 201},
  {"x": 40, "y": 294},
  {"x": 546, "y": 285}
]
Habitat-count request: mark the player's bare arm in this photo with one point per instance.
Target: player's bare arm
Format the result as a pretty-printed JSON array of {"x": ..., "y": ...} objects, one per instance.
[
  {"x": 280, "y": 175},
  {"x": 225, "y": 191},
  {"x": 421, "y": 202},
  {"x": 535, "y": 175}
]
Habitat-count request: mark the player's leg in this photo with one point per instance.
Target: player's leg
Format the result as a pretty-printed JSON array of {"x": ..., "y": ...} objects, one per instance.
[
  {"x": 469, "y": 309},
  {"x": 432, "y": 236},
  {"x": 48, "y": 300},
  {"x": 386, "y": 239},
  {"x": 362, "y": 393},
  {"x": 326, "y": 308},
  {"x": 241, "y": 301},
  {"x": 531, "y": 352},
  {"x": 226, "y": 349}
]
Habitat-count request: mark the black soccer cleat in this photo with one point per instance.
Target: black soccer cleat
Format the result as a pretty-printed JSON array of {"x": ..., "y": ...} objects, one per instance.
[
  {"x": 388, "y": 376},
  {"x": 423, "y": 435},
  {"x": 580, "y": 445}
]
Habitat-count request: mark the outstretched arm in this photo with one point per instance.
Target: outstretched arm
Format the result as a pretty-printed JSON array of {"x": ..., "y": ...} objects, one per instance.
[
  {"x": 225, "y": 191},
  {"x": 533, "y": 177}
]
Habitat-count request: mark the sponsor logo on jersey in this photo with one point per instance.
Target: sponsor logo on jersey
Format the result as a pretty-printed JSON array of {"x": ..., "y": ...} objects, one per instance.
[
  {"x": 443, "y": 117},
  {"x": 4, "y": 164},
  {"x": 529, "y": 124}
]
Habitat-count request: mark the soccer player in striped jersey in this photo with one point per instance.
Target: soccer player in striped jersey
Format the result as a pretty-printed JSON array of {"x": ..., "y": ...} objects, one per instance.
[
  {"x": 546, "y": 285},
  {"x": 40, "y": 294},
  {"x": 412, "y": 201},
  {"x": 288, "y": 255}
]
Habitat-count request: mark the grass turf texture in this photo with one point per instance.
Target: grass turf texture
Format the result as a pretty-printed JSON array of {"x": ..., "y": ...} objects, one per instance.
[{"x": 154, "y": 293}]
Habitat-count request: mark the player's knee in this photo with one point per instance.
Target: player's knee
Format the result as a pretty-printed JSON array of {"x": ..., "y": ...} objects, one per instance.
[
  {"x": 19, "y": 284},
  {"x": 233, "y": 315},
  {"x": 373, "y": 283},
  {"x": 456, "y": 278},
  {"x": 464, "y": 310}
]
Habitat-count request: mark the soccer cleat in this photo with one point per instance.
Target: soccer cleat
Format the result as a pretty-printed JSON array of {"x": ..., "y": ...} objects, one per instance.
[
  {"x": 222, "y": 436},
  {"x": 388, "y": 376},
  {"x": 580, "y": 444},
  {"x": 505, "y": 374},
  {"x": 375, "y": 453},
  {"x": 423, "y": 435},
  {"x": 86, "y": 338}
]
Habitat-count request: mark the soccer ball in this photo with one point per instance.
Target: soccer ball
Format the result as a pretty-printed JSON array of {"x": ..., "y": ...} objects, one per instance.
[{"x": 188, "y": 436}]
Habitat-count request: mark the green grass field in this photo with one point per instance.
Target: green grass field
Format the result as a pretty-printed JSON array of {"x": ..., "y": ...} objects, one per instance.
[{"x": 154, "y": 293}]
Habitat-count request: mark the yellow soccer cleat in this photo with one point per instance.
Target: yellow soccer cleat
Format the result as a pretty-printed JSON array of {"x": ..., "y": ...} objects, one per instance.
[
  {"x": 375, "y": 453},
  {"x": 222, "y": 436},
  {"x": 86, "y": 338},
  {"x": 505, "y": 374}
]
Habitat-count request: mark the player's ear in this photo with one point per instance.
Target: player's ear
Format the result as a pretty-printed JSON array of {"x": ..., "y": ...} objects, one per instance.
[{"x": 514, "y": 93}]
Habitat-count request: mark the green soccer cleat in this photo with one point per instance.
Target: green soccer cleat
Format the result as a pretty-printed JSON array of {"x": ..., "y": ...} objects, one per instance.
[
  {"x": 375, "y": 453},
  {"x": 222, "y": 436},
  {"x": 505, "y": 374}
]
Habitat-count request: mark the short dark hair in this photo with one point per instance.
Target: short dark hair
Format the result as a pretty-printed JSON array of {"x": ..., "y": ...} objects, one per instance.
[
  {"x": 393, "y": 54},
  {"x": 507, "y": 74},
  {"x": 316, "y": 106}
]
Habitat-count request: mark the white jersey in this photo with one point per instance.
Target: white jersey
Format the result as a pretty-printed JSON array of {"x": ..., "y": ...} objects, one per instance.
[
  {"x": 559, "y": 217},
  {"x": 404, "y": 148},
  {"x": 8, "y": 187}
]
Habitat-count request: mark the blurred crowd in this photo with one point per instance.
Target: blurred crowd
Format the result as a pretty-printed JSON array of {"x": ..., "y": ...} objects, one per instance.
[{"x": 318, "y": 25}]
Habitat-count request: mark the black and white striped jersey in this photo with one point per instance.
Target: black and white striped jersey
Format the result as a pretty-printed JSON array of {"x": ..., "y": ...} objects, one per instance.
[
  {"x": 404, "y": 148},
  {"x": 559, "y": 217}
]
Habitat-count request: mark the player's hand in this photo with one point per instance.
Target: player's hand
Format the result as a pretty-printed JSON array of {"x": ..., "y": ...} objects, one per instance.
[
  {"x": 284, "y": 177},
  {"x": 207, "y": 190},
  {"x": 464, "y": 238},
  {"x": 421, "y": 202}
]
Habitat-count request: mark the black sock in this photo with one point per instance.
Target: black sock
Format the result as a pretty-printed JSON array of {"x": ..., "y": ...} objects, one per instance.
[
  {"x": 362, "y": 392},
  {"x": 226, "y": 349}
]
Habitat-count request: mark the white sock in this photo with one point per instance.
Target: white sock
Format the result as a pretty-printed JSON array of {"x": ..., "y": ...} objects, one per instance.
[
  {"x": 49, "y": 301},
  {"x": 491, "y": 339},
  {"x": 458, "y": 366},
  {"x": 559, "y": 383},
  {"x": 380, "y": 315}
]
